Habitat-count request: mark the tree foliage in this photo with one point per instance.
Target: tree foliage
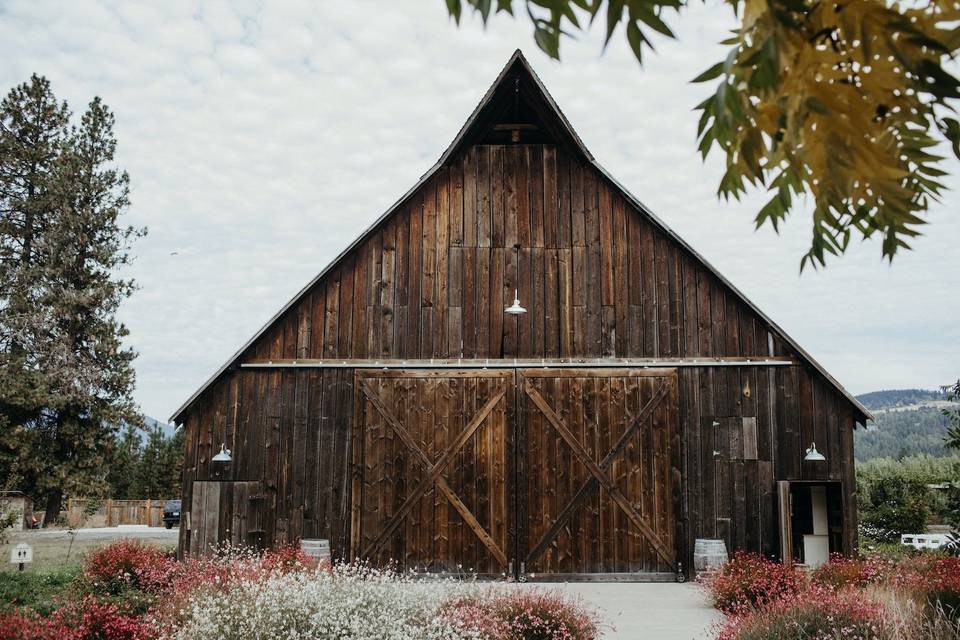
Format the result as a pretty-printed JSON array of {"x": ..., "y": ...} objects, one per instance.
[
  {"x": 952, "y": 416},
  {"x": 840, "y": 103},
  {"x": 66, "y": 378},
  {"x": 902, "y": 433},
  {"x": 150, "y": 469},
  {"x": 893, "y": 495}
]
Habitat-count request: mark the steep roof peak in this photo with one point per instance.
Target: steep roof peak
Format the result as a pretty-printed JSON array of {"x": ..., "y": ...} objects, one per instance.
[{"x": 517, "y": 108}]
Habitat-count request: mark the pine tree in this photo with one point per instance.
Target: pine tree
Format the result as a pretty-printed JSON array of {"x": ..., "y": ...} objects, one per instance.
[
  {"x": 63, "y": 198},
  {"x": 123, "y": 464},
  {"x": 149, "y": 476},
  {"x": 90, "y": 369},
  {"x": 173, "y": 464},
  {"x": 33, "y": 131}
]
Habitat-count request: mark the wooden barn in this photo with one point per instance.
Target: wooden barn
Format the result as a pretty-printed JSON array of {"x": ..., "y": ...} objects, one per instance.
[{"x": 406, "y": 408}]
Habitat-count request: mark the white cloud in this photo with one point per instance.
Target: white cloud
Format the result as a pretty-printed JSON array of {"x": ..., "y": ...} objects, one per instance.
[{"x": 261, "y": 138}]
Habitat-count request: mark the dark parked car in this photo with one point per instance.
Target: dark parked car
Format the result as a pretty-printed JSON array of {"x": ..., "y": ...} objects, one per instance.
[{"x": 171, "y": 514}]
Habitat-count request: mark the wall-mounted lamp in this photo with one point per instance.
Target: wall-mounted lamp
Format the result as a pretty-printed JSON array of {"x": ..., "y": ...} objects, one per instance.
[
  {"x": 813, "y": 455},
  {"x": 515, "y": 309},
  {"x": 220, "y": 462},
  {"x": 224, "y": 455}
]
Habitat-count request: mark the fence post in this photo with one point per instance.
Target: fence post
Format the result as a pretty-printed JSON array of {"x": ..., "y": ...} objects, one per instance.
[{"x": 110, "y": 512}]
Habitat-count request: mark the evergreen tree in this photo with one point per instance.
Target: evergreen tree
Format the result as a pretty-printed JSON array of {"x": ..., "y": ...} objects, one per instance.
[
  {"x": 952, "y": 415},
  {"x": 90, "y": 369},
  {"x": 33, "y": 131},
  {"x": 149, "y": 480},
  {"x": 173, "y": 464},
  {"x": 62, "y": 198},
  {"x": 123, "y": 464}
]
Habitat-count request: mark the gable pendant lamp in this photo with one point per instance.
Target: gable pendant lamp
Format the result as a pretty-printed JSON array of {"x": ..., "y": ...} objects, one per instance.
[
  {"x": 515, "y": 309},
  {"x": 813, "y": 455}
]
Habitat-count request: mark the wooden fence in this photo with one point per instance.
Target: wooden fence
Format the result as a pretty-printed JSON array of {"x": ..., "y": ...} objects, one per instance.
[{"x": 112, "y": 513}]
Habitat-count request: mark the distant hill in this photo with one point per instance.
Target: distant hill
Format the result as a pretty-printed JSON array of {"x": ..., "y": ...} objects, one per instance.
[
  {"x": 908, "y": 422},
  {"x": 152, "y": 423},
  {"x": 895, "y": 398},
  {"x": 149, "y": 424}
]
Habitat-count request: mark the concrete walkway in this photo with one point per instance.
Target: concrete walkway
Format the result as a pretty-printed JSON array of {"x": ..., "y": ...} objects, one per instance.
[{"x": 654, "y": 611}]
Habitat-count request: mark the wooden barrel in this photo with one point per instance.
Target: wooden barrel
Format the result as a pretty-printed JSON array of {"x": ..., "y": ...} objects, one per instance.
[
  {"x": 708, "y": 554},
  {"x": 316, "y": 548}
]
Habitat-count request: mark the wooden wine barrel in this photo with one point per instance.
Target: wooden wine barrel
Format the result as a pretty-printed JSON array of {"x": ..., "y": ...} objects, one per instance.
[
  {"x": 316, "y": 548},
  {"x": 708, "y": 554}
]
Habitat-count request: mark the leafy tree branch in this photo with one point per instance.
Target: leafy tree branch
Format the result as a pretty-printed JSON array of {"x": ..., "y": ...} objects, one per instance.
[{"x": 840, "y": 103}]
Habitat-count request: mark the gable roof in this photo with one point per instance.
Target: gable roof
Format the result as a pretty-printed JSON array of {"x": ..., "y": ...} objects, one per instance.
[{"x": 528, "y": 86}]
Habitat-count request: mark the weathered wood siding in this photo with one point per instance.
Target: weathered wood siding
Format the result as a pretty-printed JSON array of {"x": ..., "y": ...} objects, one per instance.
[{"x": 600, "y": 279}]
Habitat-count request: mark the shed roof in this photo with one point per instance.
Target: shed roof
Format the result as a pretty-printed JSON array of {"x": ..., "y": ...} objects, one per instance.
[{"x": 519, "y": 76}]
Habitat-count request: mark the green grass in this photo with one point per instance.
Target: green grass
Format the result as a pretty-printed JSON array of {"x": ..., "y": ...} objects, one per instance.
[
  {"x": 50, "y": 554},
  {"x": 37, "y": 590}
]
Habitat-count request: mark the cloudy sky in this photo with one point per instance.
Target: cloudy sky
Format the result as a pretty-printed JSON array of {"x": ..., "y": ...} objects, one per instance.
[{"x": 261, "y": 138}]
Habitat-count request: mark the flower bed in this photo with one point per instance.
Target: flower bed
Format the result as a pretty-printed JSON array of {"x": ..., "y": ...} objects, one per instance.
[
  {"x": 130, "y": 591},
  {"x": 816, "y": 613},
  {"x": 862, "y": 599},
  {"x": 530, "y": 614},
  {"x": 749, "y": 580}
]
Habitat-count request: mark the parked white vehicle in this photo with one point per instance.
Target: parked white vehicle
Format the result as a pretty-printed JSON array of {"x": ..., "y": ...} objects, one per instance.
[{"x": 924, "y": 540}]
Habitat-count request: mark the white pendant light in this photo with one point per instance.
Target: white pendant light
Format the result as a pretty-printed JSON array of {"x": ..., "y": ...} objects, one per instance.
[
  {"x": 813, "y": 455},
  {"x": 224, "y": 455},
  {"x": 515, "y": 309}
]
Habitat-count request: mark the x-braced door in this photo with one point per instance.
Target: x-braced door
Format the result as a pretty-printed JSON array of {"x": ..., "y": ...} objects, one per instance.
[
  {"x": 432, "y": 468},
  {"x": 596, "y": 472}
]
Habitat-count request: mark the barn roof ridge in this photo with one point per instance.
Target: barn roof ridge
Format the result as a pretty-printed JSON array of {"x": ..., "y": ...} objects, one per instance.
[{"x": 518, "y": 60}]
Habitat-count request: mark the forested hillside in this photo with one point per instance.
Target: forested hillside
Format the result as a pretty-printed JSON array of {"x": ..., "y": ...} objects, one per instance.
[
  {"x": 893, "y": 398},
  {"x": 908, "y": 422}
]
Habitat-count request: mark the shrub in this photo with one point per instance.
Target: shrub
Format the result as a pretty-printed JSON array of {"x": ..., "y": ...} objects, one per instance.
[
  {"x": 125, "y": 565},
  {"x": 38, "y": 591},
  {"x": 531, "y": 614},
  {"x": 90, "y": 619},
  {"x": 843, "y": 572},
  {"x": 343, "y": 602},
  {"x": 23, "y": 625},
  {"x": 749, "y": 580},
  {"x": 892, "y": 552},
  {"x": 286, "y": 558},
  {"x": 935, "y": 580},
  {"x": 86, "y": 619},
  {"x": 814, "y": 614},
  {"x": 895, "y": 504}
]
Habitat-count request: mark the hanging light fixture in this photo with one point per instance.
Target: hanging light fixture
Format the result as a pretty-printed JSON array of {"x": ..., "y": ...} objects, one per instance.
[
  {"x": 223, "y": 456},
  {"x": 515, "y": 309},
  {"x": 813, "y": 455}
]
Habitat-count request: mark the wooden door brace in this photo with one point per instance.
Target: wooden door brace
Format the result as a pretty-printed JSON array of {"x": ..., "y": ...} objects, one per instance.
[
  {"x": 598, "y": 472},
  {"x": 434, "y": 474}
]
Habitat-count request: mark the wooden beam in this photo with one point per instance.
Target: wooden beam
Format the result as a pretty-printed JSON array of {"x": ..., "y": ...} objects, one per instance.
[{"x": 542, "y": 363}]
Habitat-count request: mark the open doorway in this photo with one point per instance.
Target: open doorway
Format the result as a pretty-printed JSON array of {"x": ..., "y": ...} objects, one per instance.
[{"x": 811, "y": 521}]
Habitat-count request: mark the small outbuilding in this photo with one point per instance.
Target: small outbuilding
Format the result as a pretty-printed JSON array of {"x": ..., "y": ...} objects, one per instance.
[
  {"x": 16, "y": 510},
  {"x": 520, "y": 370}
]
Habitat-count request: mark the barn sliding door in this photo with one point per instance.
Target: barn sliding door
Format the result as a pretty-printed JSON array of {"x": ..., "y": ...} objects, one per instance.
[
  {"x": 595, "y": 473},
  {"x": 431, "y": 466}
]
